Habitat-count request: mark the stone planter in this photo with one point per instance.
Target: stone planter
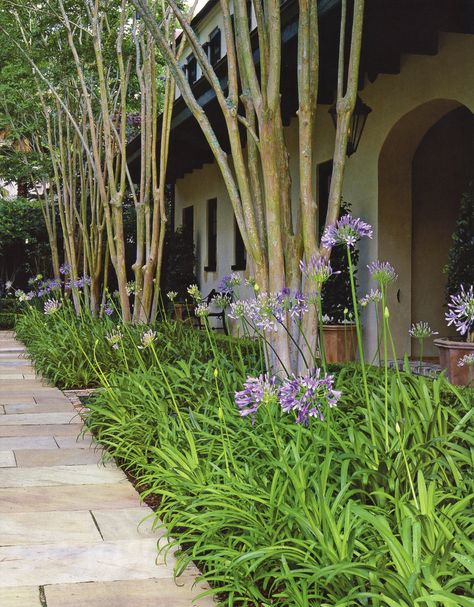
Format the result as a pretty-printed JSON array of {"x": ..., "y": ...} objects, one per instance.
[
  {"x": 449, "y": 354},
  {"x": 340, "y": 342}
]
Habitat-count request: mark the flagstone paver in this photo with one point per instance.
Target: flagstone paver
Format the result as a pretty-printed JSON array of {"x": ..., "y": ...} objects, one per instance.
[{"x": 73, "y": 532}]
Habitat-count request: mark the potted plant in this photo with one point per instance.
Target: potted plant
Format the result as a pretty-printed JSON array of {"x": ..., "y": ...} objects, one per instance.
[
  {"x": 457, "y": 356},
  {"x": 339, "y": 331}
]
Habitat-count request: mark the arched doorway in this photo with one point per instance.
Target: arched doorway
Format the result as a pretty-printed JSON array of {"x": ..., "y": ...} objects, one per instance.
[
  {"x": 442, "y": 167},
  {"x": 425, "y": 162}
]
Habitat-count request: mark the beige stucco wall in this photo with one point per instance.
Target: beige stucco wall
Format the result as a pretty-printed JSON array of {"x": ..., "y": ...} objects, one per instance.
[{"x": 378, "y": 176}]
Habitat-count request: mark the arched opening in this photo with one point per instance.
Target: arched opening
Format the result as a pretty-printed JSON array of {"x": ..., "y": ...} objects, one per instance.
[{"x": 424, "y": 166}]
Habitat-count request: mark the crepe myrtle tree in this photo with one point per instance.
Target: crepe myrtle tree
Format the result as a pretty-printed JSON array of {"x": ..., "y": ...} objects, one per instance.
[
  {"x": 109, "y": 74},
  {"x": 258, "y": 178}
]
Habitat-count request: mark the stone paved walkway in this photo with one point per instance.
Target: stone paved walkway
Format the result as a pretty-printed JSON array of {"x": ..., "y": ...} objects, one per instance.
[{"x": 70, "y": 532}]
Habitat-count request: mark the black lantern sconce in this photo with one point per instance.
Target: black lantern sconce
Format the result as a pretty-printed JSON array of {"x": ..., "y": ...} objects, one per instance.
[{"x": 358, "y": 119}]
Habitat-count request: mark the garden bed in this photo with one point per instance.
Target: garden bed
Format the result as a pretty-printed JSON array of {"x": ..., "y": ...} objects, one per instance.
[{"x": 277, "y": 513}]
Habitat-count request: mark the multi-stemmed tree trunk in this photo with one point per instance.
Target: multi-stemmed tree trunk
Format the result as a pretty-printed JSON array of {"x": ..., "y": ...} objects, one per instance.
[{"x": 258, "y": 179}]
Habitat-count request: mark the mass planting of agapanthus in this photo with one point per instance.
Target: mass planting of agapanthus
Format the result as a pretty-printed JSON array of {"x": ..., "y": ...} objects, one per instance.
[
  {"x": 346, "y": 231},
  {"x": 461, "y": 312}
]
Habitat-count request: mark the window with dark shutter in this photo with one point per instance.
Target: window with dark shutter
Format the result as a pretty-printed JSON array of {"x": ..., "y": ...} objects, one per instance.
[
  {"x": 191, "y": 69},
  {"x": 214, "y": 48},
  {"x": 324, "y": 185},
  {"x": 188, "y": 221},
  {"x": 240, "y": 254},
  {"x": 211, "y": 235}
]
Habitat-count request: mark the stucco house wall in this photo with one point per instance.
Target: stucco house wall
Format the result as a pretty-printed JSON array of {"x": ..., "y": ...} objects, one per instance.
[{"x": 378, "y": 179}]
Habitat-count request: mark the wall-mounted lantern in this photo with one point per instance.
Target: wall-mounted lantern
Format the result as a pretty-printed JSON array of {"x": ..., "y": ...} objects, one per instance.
[{"x": 359, "y": 116}]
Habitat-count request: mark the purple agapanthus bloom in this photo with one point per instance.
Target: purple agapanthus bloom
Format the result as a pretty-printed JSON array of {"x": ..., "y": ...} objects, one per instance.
[
  {"x": 307, "y": 395},
  {"x": 228, "y": 283},
  {"x": 51, "y": 306},
  {"x": 347, "y": 230},
  {"x": 108, "y": 309},
  {"x": 64, "y": 269},
  {"x": 461, "y": 310},
  {"x": 257, "y": 391},
  {"x": 383, "y": 272},
  {"x": 318, "y": 270},
  {"x": 294, "y": 303}
]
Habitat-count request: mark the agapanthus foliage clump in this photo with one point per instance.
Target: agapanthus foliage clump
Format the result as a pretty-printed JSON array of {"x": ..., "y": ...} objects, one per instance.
[{"x": 461, "y": 312}]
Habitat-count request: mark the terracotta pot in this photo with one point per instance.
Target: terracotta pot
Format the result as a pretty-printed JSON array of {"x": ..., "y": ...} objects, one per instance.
[
  {"x": 449, "y": 354},
  {"x": 340, "y": 342},
  {"x": 182, "y": 311}
]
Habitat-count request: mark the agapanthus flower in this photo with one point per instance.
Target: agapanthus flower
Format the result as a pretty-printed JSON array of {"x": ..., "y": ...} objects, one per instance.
[
  {"x": 421, "y": 330},
  {"x": 114, "y": 338},
  {"x": 461, "y": 310},
  {"x": 466, "y": 361},
  {"x": 228, "y": 283},
  {"x": 265, "y": 312},
  {"x": 108, "y": 309},
  {"x": 257, "y": 391},
  {"x": 131, "y": 287},
  {"x": 202, "y": 310},
  {"x": 383, "y": 272},
  {"x": 64, "y": 269},
  {"x": 294, "y": 303},
  {"x": 51, "y": 306},
  {"x": 252, "y": 283},
  {"x": 318, "y": 270},
  {"x": 347, "y": 230},
  {"x": 194, "y": 291},
  {"x": 172, "y": 295},
  {"x": 373, "y": 297},
  {"x": 8, "y": 285},
  {"x": 307, "y": 395},
  {"x": 237, "y": 310},
  {"x": 147, "y": 339},
  {"x": 221, "y": 300}
]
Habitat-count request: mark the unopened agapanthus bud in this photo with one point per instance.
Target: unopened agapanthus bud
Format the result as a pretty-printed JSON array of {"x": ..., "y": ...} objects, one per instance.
[
  {"x": 386, "y": 312},
  {"x": 220, "y": 413},
  {"x": 397, "y": 428},
  {"x": 216, "y": 372},
  {"x": 256, "y": 287}
]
